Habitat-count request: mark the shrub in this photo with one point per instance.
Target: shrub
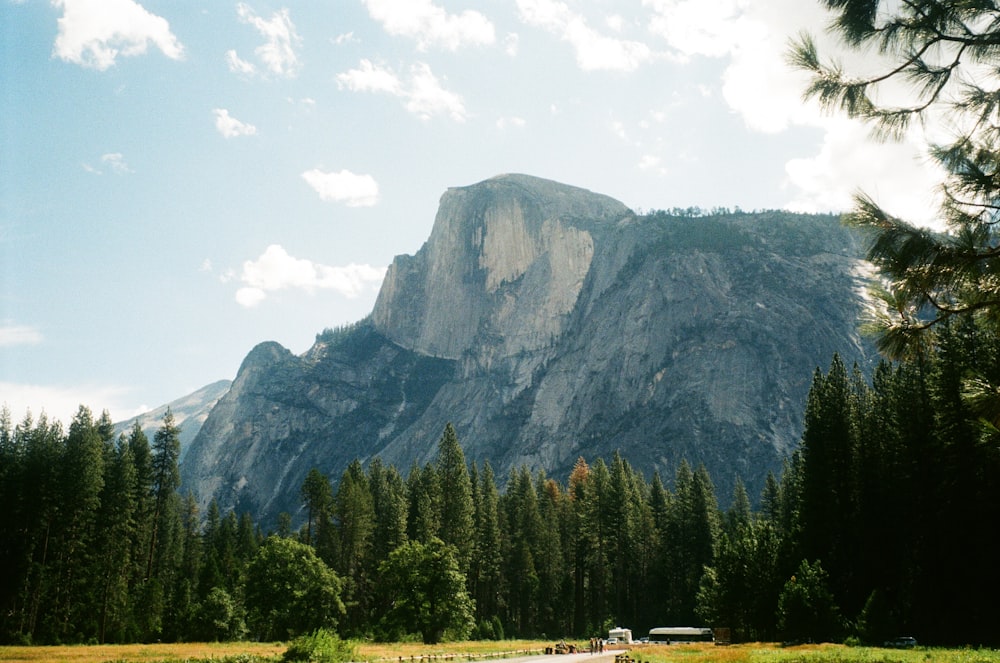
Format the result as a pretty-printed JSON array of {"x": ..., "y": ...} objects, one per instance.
[{"x": 321, "y": 646}]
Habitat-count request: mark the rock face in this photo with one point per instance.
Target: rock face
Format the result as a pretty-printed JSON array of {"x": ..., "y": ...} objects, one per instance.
[
  {"x": 190, "y": 413},
  {"x": 547, "y": 322}
]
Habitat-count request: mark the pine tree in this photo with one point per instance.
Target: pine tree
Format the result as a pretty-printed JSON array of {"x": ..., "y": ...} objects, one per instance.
[
  {"x": 81, "y": 482},
  {"x": 423, "y": 487},
  {"x": 389, "y": 502},
  {"x": 929, "y": 54},
  {"x": 485, "y": 577},
  {"x": 456, "y": 521},
  {"x": 118, "y": 522},
  {"x": 354, "y": 514},
  {"x": 317, "y": 497}
]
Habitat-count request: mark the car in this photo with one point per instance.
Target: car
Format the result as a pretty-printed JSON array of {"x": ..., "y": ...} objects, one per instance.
[
  {"x": 611, "y": 641},
  {"x": 902, "y": 642},
  {"x": 644, "y": 640}
]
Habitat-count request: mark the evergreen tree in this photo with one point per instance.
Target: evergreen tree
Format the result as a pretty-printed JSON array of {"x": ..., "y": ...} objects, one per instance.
[
  {"x": 521, "y": 534},
  {"x": 456, "y": 521},
  {"x": 389, "y": 503},
  {"x": 423, "y": 487},
  {"x": 354, "y": 514},
  {"x": 115, "y": 559},
  {"x": 932, "y": 51},
  {"x": 81, "y": 482},
  {"x": 485, "y": 578}
]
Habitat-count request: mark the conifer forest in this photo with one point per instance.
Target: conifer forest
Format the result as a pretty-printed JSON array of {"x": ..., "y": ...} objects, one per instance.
[{"x": 879, "y": 525}]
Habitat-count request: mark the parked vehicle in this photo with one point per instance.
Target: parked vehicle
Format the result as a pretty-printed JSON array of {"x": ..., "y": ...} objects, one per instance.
[{"x": 675, "y": 634}]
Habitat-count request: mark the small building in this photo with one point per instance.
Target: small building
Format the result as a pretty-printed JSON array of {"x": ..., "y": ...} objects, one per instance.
[{"x": 623, "y": 635}]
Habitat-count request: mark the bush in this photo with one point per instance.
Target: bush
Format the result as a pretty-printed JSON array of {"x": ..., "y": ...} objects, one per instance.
[{"x": 321, "y": 646}]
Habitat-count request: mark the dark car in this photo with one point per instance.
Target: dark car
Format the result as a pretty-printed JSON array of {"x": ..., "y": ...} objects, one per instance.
[{"x": 902, "y": 642}]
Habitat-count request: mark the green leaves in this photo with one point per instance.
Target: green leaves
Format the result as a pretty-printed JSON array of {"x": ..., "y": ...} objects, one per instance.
[
  {"x": 426, "y": 592},
  {"x": 290, "y": 591}
]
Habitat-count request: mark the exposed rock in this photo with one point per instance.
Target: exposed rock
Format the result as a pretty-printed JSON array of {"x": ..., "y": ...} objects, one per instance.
[
  {"x": 190, "y": 413},
  {"x": 548, "y": 322}
]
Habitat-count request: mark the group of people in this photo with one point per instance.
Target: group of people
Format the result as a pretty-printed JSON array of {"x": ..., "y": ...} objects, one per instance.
[{"x": 597, "y": 645}]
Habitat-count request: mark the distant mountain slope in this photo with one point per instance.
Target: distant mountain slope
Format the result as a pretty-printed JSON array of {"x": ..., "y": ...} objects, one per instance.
[
  {"x": 190, "y": 412},
  {"x": 548, "y": 322}
]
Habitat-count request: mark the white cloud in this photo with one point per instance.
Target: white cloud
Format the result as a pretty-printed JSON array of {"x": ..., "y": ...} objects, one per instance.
[
  {"x": 11, "y": 335},
  {"x": 594, "y": 51},
  {"x": 238, "y": 65},
  {"x": 758, "y": 83},
  {"x": 423, "y": 94},
  {"x": 895, "y": 174},
  {"x": 277, "y": 53},
  {"x": 426, "y": 97},
  {"x": 510, "y": 43},
  {"x": 60, "y": 403},
  {"x": 116, "y": 162},
  {"x": 370, "y": 77},
  {"x": 276, "y": 270},
  {"x": 653, "y": 163},
  {"x": 513, "y": 121},
  {"x": 346, "y": 38},
  {"x": 343, "y": 187},
  {"x": 431, "y": 25},
  {"x": 754, "y": 37},
  {"x": 93, "y": 33},
  {"x": 113, "y": 162},
  {"x": 229, "y": 126}
]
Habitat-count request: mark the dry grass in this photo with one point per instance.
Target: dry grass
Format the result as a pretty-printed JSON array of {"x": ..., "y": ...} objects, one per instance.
[
  {"x": 825, "y": 653},
  {"x": 413, "y": 652},
  {"x": 405, "y": 652},
  {"x": 138, "y": 653}
]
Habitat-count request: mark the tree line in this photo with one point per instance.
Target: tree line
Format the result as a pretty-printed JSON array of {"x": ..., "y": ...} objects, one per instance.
[{"x": 878, "y": 526}]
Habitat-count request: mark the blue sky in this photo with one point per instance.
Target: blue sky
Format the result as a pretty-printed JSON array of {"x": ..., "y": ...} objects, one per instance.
[{"x": 180, "y": 181}]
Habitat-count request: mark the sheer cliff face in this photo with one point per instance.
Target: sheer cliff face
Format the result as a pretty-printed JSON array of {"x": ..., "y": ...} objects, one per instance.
[
  {"x": 501, "y": 271},
  {"x": 548, "y": 322}
]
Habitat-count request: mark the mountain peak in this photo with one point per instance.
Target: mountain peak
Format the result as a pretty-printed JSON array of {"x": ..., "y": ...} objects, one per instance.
[{"x": 506, "y": 259}]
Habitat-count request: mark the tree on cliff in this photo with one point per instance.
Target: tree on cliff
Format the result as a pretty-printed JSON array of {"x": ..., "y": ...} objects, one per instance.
[{"x": 944, "y": 54}]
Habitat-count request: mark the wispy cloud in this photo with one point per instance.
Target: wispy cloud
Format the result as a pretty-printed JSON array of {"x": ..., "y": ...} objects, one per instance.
[
  {"x": 276, "y": 270},
  {"x": 513, "y": 121},
  {"x": 229, "y": 126},
  {"x": 594, "y": 51},
  {"x": 278, "y": 52},
  {"x": 430, "y": 25},
  {"x": 113, "y": 162},
  {"x": 94, "y": 33},
  {"x": 12, "y": 335},
  {"x": 423, "y": 95},
  {"x": 343, "y": 187},
  {"x": 238, "y": 65}
]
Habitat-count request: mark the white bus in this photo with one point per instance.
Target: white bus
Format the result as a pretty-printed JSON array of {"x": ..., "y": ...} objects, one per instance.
[{"x": 674, "y": 634}]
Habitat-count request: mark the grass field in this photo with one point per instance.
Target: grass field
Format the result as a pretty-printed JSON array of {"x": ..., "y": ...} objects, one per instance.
[
  {"x": 413, "y": 652},
  {"x": 771, "y": 653},
  {"x": 405, "y": 652}
]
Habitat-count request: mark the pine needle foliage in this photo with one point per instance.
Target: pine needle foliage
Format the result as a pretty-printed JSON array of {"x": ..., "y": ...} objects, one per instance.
[{"x": 945, "y": 56}]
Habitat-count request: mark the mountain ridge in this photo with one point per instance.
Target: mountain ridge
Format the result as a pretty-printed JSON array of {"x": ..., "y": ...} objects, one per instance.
[{"x": 547, "y": 322}]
